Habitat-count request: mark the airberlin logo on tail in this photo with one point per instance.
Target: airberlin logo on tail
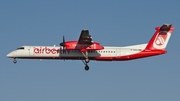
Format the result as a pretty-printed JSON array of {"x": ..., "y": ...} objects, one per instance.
[{"x": 161, "y": 41}]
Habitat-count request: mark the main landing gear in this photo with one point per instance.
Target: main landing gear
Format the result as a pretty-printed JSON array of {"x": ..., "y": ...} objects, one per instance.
[
  {"x": 14, "y": 61},
  {"x": 86, "y": 61}
]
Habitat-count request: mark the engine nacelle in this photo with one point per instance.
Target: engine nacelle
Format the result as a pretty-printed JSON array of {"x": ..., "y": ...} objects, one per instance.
[{"x": 73, "y": 45}]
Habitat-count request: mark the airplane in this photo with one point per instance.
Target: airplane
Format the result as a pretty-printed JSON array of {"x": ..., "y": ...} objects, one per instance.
[{"x": 86, "y": 49}]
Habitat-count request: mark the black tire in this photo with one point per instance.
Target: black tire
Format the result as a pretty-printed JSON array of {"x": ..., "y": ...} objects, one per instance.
[{"x": 86, "y": 68}]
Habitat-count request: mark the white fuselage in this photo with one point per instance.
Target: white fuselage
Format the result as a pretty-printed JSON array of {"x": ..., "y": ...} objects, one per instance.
[{"x": 54, "y": 52}]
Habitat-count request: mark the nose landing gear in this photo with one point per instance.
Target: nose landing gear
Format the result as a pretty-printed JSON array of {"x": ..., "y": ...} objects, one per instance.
[{"x": 14, "y": 61}]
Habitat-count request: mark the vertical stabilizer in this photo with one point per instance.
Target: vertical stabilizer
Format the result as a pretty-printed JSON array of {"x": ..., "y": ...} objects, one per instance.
[{"x": 161, "y": 37}]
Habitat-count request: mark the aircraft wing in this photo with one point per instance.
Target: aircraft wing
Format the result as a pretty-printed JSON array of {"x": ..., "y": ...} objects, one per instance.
[
  {"x": 85, "y": 38},
  {"x": 85, "y": 42}
]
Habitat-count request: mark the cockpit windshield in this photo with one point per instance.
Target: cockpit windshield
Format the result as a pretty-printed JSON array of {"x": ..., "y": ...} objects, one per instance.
[{"x": 20, "y": 48}]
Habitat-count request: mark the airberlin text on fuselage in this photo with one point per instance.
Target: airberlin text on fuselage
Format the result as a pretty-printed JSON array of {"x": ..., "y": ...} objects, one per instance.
[{"x": 46, "y": 50}]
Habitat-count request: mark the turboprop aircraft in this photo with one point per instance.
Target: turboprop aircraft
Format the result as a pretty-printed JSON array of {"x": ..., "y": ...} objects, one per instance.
[{"x": 85, "y": 49}]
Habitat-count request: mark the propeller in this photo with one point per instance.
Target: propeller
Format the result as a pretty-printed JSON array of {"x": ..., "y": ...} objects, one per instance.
[{"x": 63, "y": 44}]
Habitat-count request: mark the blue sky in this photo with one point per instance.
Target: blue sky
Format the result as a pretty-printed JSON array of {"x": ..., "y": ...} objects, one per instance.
[{"x": 116, "y": 23}]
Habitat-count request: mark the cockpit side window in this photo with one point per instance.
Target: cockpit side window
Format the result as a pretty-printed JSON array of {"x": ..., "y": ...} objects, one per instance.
[{"x": 20, "y": 48}]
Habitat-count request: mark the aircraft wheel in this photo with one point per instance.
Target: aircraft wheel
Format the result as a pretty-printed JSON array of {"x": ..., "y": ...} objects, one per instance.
[
  {"x": 86, "y": 67},
  {"x": 87, "y": 60},
  {"x": 15, "y": 61}
]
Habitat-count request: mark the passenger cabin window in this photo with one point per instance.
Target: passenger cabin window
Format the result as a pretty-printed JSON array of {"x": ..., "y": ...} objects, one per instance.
[{"x": 20, "y": 48}]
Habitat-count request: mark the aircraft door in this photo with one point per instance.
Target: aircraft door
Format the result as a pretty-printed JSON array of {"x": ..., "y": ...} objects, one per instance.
[
  {"x": 118, "y": 52},
  {"x": 31, "y": 51}
]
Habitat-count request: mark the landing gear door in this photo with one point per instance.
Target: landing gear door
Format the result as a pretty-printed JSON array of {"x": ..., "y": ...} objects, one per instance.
[{"x": 31, "y": 51}]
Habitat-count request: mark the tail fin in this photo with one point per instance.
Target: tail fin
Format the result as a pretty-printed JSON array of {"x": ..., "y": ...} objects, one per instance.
[{"x": 161, "y": 37}]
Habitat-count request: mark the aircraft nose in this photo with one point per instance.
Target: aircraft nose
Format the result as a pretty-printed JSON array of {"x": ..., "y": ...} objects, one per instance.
[{"x": 10, "y": 55}]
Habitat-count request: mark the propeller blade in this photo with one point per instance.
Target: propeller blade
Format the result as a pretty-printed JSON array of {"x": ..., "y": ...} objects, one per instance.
[
  {"x": 63, "y": 39},
  {"x": 63, "y": 43}
]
